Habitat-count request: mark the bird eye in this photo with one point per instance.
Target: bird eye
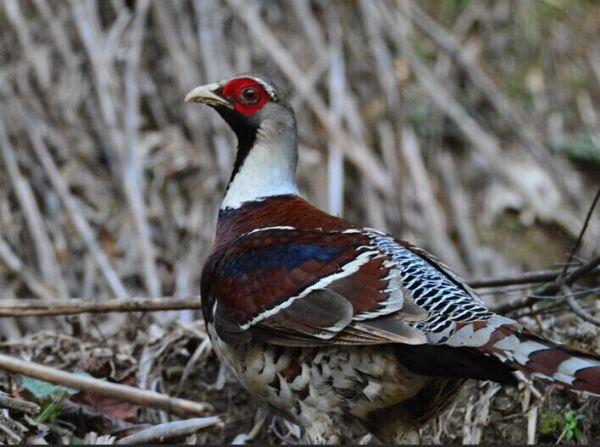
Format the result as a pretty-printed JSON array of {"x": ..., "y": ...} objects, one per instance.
[{"x": 250, "y": 95}]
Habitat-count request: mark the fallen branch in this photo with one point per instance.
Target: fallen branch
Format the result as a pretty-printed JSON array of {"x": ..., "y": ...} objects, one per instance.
[
  {"x": 74, "y": 306},
  {"x": 18, "y": 405},
  {"x": 550, "y": 289},
  {"x": 126, "y": 393},
  {"x": 524, "y": 278},
  {"x": 568, "y": 280},
  {"x": 169, "y": 430}
]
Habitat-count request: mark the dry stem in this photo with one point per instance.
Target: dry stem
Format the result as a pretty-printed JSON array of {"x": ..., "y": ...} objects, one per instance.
[
  {"x": 113, "y": 390},
  {"x": 73, "y": 306},
  {"x": 169, "y": 430}
]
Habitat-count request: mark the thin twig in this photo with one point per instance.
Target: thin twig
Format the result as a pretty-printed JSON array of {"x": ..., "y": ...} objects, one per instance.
[
  {"x": 551, "y": 289},
  {"x": 18, "y": 405},
  {"x": 582, "y": 232},
  {"x": 16, "y": 439},
  {"x": 72, "y": 306},
  {"x": 101, "y": 388},
  {"x": 576, "y": 307},
  {"x": 169, "y": 430},
  {"x": 562, "y": 280},
  {"x": 523, "y": 278}
]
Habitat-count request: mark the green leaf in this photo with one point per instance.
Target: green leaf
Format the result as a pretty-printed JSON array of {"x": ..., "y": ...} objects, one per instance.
[
  {"x": 50, "y": 410},
  {"x": 41, "y": 389},
  {"x": 571, "y": 428}
]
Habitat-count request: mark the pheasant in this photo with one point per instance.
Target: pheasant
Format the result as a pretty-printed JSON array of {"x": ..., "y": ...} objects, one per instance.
[{"x": 336, "y": 326}]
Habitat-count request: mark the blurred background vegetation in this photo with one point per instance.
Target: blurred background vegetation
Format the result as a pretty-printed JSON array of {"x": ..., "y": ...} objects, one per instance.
[{"x": 470, "y": 128}]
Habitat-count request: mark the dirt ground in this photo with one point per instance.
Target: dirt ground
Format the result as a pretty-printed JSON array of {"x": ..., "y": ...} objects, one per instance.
[{"x": 179, "y": 363}]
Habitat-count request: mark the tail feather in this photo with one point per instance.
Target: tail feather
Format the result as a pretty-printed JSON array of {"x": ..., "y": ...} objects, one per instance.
[{"x": 537, "y": 356}]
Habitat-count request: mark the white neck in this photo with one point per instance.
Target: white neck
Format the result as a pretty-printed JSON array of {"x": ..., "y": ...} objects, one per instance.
[{"x": 269, "y": 169}]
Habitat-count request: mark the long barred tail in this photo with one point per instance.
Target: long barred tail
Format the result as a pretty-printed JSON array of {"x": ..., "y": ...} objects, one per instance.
[{"x": 537, "y": 356}]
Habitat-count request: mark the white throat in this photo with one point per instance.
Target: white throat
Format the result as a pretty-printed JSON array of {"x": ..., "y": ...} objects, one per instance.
[{"x": 269, "y": 169}]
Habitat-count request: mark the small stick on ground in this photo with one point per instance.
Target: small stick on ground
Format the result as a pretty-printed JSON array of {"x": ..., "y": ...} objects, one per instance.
[
  {"x": 113, "y": 390},
  {"x": 16, "y": 439},
  {"x": 550, "y": 289},
  {"x": 169, "y": 430},
  {"x": 522, "y": 278},
  {"x": 74, "y": 306},
  {"x": 18, "y": 405},
  {"x": 577, "y": 308}
]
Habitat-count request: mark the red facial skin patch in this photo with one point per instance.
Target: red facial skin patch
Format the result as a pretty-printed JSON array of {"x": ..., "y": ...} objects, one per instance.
[{"x": 234, "y": 89}]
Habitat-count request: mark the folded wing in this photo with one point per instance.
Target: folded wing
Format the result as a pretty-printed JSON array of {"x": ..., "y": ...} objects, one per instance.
[{"x": 310, "y": 287}]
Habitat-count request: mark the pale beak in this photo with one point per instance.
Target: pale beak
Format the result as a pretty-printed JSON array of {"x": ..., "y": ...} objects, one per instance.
[{"x": 205, "y": 94}]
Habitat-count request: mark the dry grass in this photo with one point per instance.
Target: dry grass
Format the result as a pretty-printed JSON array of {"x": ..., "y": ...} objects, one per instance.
[{"x": 469, "y": 128}]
